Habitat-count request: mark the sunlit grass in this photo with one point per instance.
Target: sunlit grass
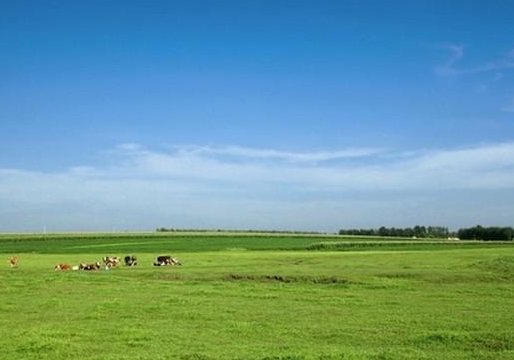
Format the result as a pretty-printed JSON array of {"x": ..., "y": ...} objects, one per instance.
[{"x": 453, "y": 303}]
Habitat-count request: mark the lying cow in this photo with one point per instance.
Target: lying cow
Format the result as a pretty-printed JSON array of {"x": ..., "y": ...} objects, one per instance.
[
  {"x": 130, "y": 260},
  {"x": 111, "y": 261},
  {"x": 13, "y": 261},
  {"x": 62, "y": 267},
  {"x": 164, "y": 260},
  {"x": 88, "y": 267}
]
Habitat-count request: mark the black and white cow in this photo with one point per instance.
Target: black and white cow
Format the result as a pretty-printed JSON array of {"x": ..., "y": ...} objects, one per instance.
[
  {"x": 164, "y": 260},
  {"x": 88, "y": 267},
  {"x": 130, "y": 260}
]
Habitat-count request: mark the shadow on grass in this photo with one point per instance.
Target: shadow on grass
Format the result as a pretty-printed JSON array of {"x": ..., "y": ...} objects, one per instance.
[{"x": 289, "y": 279}]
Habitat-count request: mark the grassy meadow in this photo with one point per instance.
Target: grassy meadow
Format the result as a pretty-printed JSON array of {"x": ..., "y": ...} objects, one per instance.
[{"x": 257, "y": 296}]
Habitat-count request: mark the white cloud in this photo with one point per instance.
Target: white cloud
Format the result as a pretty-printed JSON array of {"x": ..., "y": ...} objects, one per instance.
[
  {"x": 456, "y": 53},
  {"x": 196, "y": 186},
  {"x": 488, "y": 166},
  {"x": 474, "y": 167},
  {"x": 242, "y": 152}
]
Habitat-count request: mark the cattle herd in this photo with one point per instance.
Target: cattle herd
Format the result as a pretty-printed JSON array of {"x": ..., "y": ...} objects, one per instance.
[{"x": 108, "y": 262}]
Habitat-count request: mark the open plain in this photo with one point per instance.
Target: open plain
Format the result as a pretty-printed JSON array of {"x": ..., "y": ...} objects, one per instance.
[{"x": 256, "y": 296}]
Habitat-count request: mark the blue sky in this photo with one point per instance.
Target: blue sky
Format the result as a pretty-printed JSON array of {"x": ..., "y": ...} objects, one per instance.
[{"x": 292, "y": 115}]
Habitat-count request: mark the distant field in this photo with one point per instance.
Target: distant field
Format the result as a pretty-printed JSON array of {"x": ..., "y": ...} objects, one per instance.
[
  {"x": 257, "y": 296},
  {"x": 77, "y": 243}
]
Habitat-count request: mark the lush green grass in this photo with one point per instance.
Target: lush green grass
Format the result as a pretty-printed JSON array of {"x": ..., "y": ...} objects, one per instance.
[{"x": 418, "y": 302}]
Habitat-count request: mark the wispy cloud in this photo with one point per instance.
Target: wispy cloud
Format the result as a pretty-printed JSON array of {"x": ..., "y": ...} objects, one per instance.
[
  {"x": 509, "y": 107},
  {"x": 497, "y": 76},
  {"x": 200, "y": 187},
  {"x": 456, "y": 53},
  {"x": 266, "y": 154},
  {"x": 487, "y": 166}
]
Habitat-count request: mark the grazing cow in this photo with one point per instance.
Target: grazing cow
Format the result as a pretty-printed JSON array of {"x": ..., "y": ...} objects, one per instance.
[
  {"x": 164, "y": 260},
  {"x": 13, "y": 261},
  {"x": 111, "y": 261},
  {"x": 62, "y": 267},
  {"x": 88, "y": 267},
  {"x": 130, "y": 260}
]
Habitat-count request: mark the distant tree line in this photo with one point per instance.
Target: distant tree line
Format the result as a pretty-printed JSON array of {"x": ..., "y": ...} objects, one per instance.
[
  {"x": 417, "y": 231},
  {"x": 162, "y": 229},
  {"x": 491, "y": 233}
]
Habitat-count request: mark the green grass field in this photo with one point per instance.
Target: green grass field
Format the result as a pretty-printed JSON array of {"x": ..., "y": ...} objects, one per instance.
[{"x": 251, "y": 296}]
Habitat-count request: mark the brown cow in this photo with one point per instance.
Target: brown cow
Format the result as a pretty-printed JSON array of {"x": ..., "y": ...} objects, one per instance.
[
  {"x": 62, "y": 267},
  {"x": 111, "y": 261},
  {"x": 13, "y": 261}
]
